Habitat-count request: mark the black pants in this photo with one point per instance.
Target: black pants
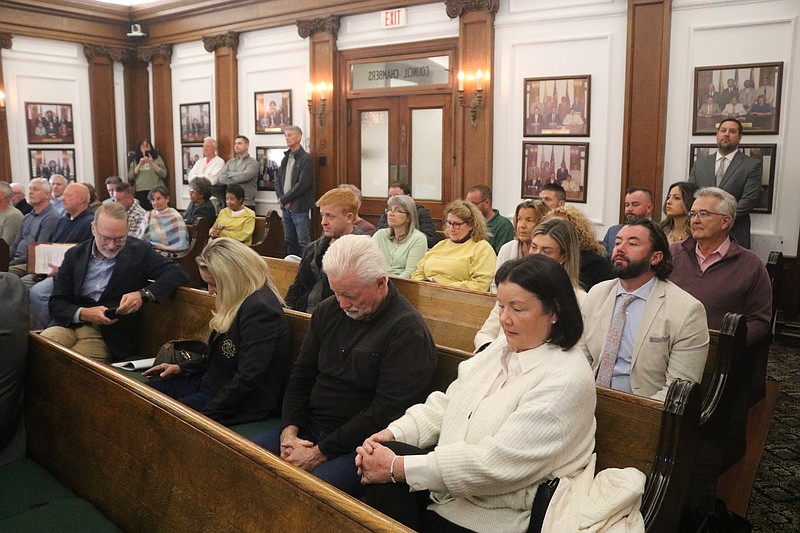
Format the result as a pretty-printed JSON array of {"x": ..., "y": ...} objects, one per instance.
[
  {"x": 409, "y": 508},
  {"x": 144, "y": 201}
]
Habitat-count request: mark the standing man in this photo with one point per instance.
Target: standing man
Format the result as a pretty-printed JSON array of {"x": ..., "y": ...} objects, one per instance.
[
  {"x": 367, "y": 357},
  {"x": 58, "y": 184},
  {"x": 423, "y": 213},
  {"x": 18, "y": 198},
  {"x": 36, "y": 226},
  {"x": 294, "y": 187},
  {"x": 553, "y": 195},
  {"x": 641, "y": 331},
  {"x": 241, "y": 169},
  {"x": 109, "y": 271},
  {"x": 638, "y": 204},
  {"x": 10, "y": 216},
  {"x": 209, "y": 166},
  {"x": 501, "y": 230},
  {"x": 732, "y": 171}
]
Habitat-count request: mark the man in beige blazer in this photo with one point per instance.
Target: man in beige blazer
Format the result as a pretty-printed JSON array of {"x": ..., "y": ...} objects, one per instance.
[{"x": 664, "y": 334}]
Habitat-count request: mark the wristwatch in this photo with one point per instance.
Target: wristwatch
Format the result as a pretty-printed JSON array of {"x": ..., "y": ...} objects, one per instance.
[{"x": 146, "y": 295}]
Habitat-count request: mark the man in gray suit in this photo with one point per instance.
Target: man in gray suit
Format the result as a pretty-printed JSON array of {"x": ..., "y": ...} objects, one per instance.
[{"x": 732, "y": 171}]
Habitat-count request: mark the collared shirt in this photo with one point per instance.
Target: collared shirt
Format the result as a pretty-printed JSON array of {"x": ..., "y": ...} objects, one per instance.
[
  {"x": 98, "y": 274},
  {"x": 135, "y": 216},
  {"x": 718, "y": 162},
  {"x": 207, "y": 168},
  {"x": 58, "y": 204},
  {"x": 35, "y": 227},
  {"x": 621, "y": 379},
  {"x": 705, "y": 261}
]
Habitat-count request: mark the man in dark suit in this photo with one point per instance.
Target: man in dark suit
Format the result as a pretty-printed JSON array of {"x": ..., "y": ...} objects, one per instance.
[
  {"x": 294, "y": 188},
  {"x": 107, "y": 272},
  {"x": 732, "y": 171}
]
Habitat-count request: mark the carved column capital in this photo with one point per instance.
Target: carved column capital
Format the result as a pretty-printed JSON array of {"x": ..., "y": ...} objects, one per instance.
[
  {"x": 116, "y": 53},
  {"x": 5, "y": 40},
  {"x": 227, "y": 40},
  {"x": 455, "y": 8},
  {"x": 306, "y": 28},
  {"x": 149, "y": 53}
]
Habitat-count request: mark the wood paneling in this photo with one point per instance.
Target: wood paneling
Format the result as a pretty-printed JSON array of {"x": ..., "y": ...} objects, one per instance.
[
  {"x": 162, "y": 117},
  {"x": 645, "y": 123},
  {"x": 5, "y": 152},
  {"x": 226, "y": 82},
  {"x": 104, "y": 131},
  {"x": 137, "y": 106}
]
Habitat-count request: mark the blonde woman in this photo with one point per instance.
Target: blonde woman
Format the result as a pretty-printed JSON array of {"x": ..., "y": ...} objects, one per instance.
[
  {"x": 527, "y": 216},
  {"x": 243, "y": 376},
  {"x": 465, "y": 259},
  {"x": 557, "y": 239},
  {"x": 594, "y": 265}
]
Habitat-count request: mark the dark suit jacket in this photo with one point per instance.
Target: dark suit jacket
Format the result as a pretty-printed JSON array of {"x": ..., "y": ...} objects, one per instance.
[
  {"x": 301, "y": 195},
  {"x": 136, "y": 263},
  {"x": 742, "y": 179}
]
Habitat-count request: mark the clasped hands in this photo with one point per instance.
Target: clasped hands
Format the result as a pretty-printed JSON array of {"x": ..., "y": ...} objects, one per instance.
[
  {"x": 374, "y": 460},
  {"x": 300, "y": 452}
]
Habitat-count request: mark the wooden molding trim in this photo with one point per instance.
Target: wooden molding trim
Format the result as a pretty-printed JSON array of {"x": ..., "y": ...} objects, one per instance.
[
  {"x": 225, "y": 40},
  {"x": 5, "y": 41},
  {"x": 456, "y": 8},
  {"x": 305, "y": 28},
  {"x": 116, "y": 53},
  {"x": 148, "y": 53}
]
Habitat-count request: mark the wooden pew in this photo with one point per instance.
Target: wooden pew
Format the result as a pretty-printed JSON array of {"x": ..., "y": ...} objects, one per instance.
[
  {"x": 198, "y": 233},
  {"x": 270, "y": 241}
]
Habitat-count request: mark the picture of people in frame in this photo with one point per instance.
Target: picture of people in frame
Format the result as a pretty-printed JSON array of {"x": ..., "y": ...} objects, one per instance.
[
  {"x": 269, "y": 161},
  {"x": 49, "y": 123},
  {"x": 748, "y": 93},
  {"x": 273, "y": 111},
  {"x": 190, "y": 155},
  {"x": 556, "y": 107},
  {"x": 195, "y": 122},
  {"x": 45, "y": 163},
  {"x": 564, "y": 164}
]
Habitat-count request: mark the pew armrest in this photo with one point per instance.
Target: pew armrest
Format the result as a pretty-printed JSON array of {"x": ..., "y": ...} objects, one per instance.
[{"x": 726, "y": 370}]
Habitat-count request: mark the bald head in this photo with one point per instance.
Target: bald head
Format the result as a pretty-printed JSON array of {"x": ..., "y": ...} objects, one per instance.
[{"x": 76, "y": 199}]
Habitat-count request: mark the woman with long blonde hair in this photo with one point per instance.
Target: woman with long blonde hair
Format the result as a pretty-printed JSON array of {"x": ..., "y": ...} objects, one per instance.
[
  {"x": 465, "y": 258},
  {"x": 242, "y": 377},
  {"x": 593, "y": 264}
]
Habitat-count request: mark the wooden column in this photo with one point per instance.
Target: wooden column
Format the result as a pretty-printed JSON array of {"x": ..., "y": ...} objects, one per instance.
[
  {"x": 323, "y": 67},
  {"x": 137, "y": 106},
  {"x": 5, "y": 151},
  {"x": 473, "y": 146},
  {"x": 159, "y": 57},
  {"x": 104, "y": 125},
  {"x": 646, "y": 78},
  {"x": 226, "y": 85}
]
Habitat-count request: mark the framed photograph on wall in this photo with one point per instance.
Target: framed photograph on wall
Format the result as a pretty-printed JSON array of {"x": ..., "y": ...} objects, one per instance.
[
  {"x": 269, "y": 161},
  {"x": 45, "y": 162},
  {"x": 190, "y": 155},
  {"x": 195, "y": 122},
  {"x": 550, "y": 162},
  {"x": 763, "y": 152},
  {"x": 273, "y": 111},
  {"x": 49, "y": 123},
  {"x": 556, "y": 107},
  {"x": 750, "y": 93}
]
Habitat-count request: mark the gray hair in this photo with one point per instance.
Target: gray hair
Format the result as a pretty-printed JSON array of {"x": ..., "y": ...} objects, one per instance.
[
  {"x": 41, "y": 182},
  {"x": 353, "y": 188},
  {"x": 111, "y": 210},
  {"x": 5, "y": 188},
  {"x": 355, "y": 253},
  {"x": 212, "y": 139},
  {"x": 55, "y": 176},
  {"x": 408, "y": 205},
  {"x": 19, "y": 186},
  {"x": 295, "y": 129},
  {"x": 727, "y": 202}
]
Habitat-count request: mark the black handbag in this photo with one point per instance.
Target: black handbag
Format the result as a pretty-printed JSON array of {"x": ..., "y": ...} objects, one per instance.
[{"x": 179, "y": 350}]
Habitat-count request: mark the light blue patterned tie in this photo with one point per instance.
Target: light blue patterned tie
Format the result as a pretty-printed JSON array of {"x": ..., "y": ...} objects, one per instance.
[{"x": 609, "y": 356}]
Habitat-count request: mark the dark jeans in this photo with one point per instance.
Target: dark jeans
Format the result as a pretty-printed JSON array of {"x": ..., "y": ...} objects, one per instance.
[
  {"x": 409, "y": 508},
  {"x": 338, "y": 471},
  {"x": 188, "y": 390},
  {"x": 296, "y": 231}
]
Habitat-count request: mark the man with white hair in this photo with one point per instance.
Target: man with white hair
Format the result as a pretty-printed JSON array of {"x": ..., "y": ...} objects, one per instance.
[
  {"x": 209, "y": 166},
  {"x": 18, "y": 198},
  {"x": 58, "y": 185},
  {"x": 366, "y": 358},
  {"x": 10, "y": 216},
  {"x": 37, "y": 226}
]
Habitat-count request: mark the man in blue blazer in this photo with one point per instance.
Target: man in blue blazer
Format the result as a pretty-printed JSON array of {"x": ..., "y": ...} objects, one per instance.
[
  {"x": 741, "y": 176},
  {"x": 110, "y": 271}
]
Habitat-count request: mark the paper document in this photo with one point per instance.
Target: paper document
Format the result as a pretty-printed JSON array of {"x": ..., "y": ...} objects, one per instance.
[
  {"x": 50, "y": 253},
  {"x": 138, "y": 364}
]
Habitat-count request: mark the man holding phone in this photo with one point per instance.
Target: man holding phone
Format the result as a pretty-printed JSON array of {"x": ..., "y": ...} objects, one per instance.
[{"x": 109, "y": 271}]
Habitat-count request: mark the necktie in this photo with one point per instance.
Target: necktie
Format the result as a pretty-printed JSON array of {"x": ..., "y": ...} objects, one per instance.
[
  {"x": 609, "y": 356},
  {"x": 721, "y": 170}
]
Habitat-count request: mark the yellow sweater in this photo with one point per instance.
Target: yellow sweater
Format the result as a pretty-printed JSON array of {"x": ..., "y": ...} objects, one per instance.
[
  {"x": 468, "y": 265},
  {"x": 238, "y": 227}
]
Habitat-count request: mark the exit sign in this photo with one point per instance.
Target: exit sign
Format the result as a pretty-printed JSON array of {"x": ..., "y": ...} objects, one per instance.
[{"x": 393, "y": 18}]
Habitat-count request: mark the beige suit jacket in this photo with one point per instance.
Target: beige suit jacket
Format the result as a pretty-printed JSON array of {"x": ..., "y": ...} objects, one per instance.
[{"x": 672, "y": 341}]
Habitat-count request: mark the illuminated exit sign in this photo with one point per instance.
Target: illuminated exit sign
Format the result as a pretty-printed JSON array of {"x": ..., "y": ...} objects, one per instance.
[{"x": 393, "y": 18}]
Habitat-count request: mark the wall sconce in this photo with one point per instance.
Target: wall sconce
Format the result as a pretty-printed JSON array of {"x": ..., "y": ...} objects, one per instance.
[
  {"x": 477, "y": 96},
  {"x": 323, "y": 91},
  {"x": 2, "y": 100}
]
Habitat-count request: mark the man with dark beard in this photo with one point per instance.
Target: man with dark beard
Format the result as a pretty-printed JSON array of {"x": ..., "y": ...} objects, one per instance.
[{"x": 641, "y": 331}]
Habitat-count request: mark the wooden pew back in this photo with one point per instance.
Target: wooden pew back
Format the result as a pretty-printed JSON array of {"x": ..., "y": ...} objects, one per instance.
[
  {"x": 271, "y": 243},
  {"x": 198, "y": 232}
]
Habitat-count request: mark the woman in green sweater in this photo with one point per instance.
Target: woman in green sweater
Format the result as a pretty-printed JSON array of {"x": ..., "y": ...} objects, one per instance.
[{"x": 146, "y": 171}]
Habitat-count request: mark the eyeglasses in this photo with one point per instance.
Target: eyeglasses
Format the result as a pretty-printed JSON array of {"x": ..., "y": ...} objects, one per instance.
[
  {"x": 454, "y": 225},
  {"x": 703, "y": 214},
  {"x": 119, "y": 241},
  {"x": 394, "y": 210}
]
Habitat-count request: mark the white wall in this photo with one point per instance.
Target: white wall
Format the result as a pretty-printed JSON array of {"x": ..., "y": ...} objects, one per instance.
[
  {"x": 424, "y": 23},
  {"x": 555, "y": 38},
  {"x": 709, "y": 33},
  {"x": 192, "y": 82},
  {"x": 40, "y": 70}
]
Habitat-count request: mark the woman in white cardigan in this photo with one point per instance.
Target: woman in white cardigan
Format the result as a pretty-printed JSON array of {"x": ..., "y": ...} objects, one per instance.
[{"x": 519, "y": 413}]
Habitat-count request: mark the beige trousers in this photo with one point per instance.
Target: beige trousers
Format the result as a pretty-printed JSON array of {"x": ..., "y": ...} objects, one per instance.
[{"x": 84, "y": 339}]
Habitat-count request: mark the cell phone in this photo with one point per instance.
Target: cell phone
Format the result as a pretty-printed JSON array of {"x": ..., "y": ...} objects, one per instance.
[{"x": 111, "y": 313}]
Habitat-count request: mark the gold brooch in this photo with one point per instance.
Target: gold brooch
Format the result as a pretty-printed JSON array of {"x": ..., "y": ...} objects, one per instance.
[{"x": 228, "y": 348}]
